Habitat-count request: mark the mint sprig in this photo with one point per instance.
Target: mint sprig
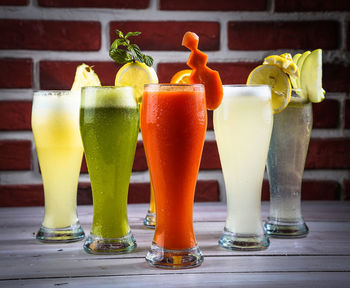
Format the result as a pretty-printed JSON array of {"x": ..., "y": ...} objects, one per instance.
[{"x": 122, "y": 51}]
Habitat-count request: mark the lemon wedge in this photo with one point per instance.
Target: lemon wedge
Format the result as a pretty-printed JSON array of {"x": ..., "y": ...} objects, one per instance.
[
  {"x": 136, "y": 74},
  {"x": 311, "y": 77},
  {"x": 85, "y": 76},
  {"x": 273, "y": 76},
  {"x": 181, "y": 77},
  {"x": 293, "y": 80}
]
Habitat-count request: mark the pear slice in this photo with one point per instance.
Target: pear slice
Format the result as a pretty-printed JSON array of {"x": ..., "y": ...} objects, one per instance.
[
  {"x": 300, "y": 66},
  {"x": 293, "y": 80},
  {"x": 311, "y": 76},
  {"x": 85, "y": 76}
]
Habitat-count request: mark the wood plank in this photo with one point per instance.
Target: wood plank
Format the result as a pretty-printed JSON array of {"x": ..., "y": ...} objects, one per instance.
[
  {"x": 51, "y": 266},
  {"x": 325, "y": 238},
  {"x": 190, "y": 280}
]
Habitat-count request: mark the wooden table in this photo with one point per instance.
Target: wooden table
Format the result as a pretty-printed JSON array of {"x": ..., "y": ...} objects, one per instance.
[{"x": 320, "y": 260}]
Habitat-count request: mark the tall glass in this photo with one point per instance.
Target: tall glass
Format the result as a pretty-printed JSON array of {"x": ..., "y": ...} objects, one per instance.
[
  {"x": 285, "y": 167},
  {"x": 55, "y": 124},
  {"x": 150, "y": 218},
  {"x": 174, "y": 122},
  {"x": 243, "y": 125},
  {"x": 109, "y": 125}
]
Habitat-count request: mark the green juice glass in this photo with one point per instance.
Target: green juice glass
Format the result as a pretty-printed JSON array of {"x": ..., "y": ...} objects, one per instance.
[{"x": 109, "y": 125}]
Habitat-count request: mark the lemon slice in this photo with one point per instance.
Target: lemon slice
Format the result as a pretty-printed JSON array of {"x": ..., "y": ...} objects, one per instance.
[
  {"x": 181, "y": 77},
  {"x": 273, "y": 76},
  {"x": 311, "y": 76},
  {"x": 85, "y": 76},
  {"x": 136, "y": 74}
]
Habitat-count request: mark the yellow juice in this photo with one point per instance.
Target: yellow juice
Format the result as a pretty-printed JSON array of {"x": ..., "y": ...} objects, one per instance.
[{"x": 55, "y": 124}]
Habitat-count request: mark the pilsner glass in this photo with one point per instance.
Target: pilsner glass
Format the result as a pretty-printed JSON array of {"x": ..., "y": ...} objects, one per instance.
[
  {"x": 174, "y": 122},
  {"x": 150, "y": 218},
  {"x": 243, "y": 125},
  {"x": 55, "y": 124},
  {"x": 109, "y": 123},
  {"x": 285, "y": 166}
]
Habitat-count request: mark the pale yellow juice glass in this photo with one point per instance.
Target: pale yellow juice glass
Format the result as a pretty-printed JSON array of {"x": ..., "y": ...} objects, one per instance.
[{"x": 55, "y": 124}]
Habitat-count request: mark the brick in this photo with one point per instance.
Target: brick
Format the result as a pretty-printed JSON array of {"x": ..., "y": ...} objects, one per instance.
[
  {"x": 15, "y": 155},
  {"x": 14, "y": 2},
  {"x": 335, "y": 77},
  {"x": 116, "y": 4},
  {"x": 346, "y": 184},
  {"x": 326, "y": 114},
  {"x": 210, "y": 157},
  {"x": 332, "y": 153},
  {"x": 16, "y": 73},
  {"x": 207, "y": 191},
  {"x": 315, "y": 5},
  {"x": 210, "y": 120},
  {"x": 21, "y": 195},
  {"x": 50, "y": 35},
  {"x": 230, "y": 73},
  {"x": 347, "y": 114},
  {"x": 140, "y": 161},
  {"x": 218, "y": 5},
  {"x": 311, "y": 190},
  {"x": 169, "y": 34},
  {"x": 60, "y": 74},
  {"x": 283, "y": 35},
  {"x": 15, "y": 115}
]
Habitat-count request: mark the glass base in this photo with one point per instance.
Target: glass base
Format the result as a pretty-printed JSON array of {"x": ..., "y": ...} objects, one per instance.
[
  {"x": 150, "y": 220},
  {"x": 174, "y": 259},
  {"x": 281, "y": 229},
  {"x": 68, "y": 234},
  {"x": 243, "y": 242},
  {"x": 98, "y": 245}
]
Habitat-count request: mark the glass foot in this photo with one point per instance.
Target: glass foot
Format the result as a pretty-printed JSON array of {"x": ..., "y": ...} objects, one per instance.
[
  {"x": 243, "y": 242},
  {"x": 150, "y": 220},
  {"x": 283, "y": 229},
  {"x": 68, "y": 234},
  {"x": 97, "y": 245},
  {"x": 174, "y": 259}
]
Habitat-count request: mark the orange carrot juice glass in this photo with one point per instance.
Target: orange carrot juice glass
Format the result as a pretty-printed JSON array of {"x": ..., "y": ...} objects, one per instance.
[{"x": 174, "y": 122}]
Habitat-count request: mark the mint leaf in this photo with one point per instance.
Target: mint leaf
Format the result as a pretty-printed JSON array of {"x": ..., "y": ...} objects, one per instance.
[
  {"x": 136, "y": 52},
  {"x": 119, "y": 33},
  {"x": 120, "y": 56},
  {"x": 148, "y": 60},
  {"x": 129, "y": 52},
  {"x": 129, "y": 34}
]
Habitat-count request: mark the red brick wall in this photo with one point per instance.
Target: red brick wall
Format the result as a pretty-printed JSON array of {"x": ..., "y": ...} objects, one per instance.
[{"x": 42, "y": 41}]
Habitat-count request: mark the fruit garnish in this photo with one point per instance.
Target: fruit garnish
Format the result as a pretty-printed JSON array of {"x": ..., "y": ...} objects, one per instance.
[
  {"x": 181, "y": 77},
  {"x": 201, "y": 73},
  {"x": 285, "y": 62},
  {"x": 137, "y": 70},
  {"x": 300, "y": 64},
  {"x": 136, "y": 75},
  {"x": 293, "y": 80},
  {"x": 273, "y": 76},
  {"x": 85, "y": 76},
  {"x": 311, "y": 77}
]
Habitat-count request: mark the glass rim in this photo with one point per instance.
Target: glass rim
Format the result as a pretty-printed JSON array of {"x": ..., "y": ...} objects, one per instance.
[
  {"x": 106, "y": 87},
  {"x": 175, "y": 85},
  {"x": 246, "y": 85},
  {"x": 52, "y": 92}
]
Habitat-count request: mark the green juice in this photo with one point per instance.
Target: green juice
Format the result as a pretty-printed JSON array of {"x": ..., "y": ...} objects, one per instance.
[{"x": 109, "y": 127}]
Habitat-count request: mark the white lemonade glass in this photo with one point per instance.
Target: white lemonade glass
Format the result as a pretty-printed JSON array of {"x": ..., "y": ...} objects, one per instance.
[
  {"x": 55, "y": 124},
  {"x": 243, "y": 125}
]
